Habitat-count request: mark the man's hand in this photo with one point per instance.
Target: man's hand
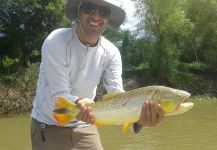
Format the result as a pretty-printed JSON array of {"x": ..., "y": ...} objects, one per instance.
[
  {"x": 151, "y": 114},
  {"x": 85, "y": 113}
]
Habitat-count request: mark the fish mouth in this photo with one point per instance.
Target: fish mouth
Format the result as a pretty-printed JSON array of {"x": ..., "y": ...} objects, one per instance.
[
  {"x": 184, "y": 105},
  {"x": 183, "y": 99},
  {"x": 186, "y": 95}
]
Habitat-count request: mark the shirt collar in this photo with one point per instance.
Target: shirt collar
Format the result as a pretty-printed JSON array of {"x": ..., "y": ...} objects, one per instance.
[{"x": 83, "y": 45}]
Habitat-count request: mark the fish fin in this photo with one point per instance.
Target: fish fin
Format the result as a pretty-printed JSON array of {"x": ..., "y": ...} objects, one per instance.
[
  {"x": 126, "y": 127},
  {"x": 168, "y": 106},
  {"x": 62, "y": 102},
  {"x": 110, "y": 95},
  {"x": 63, "y": 117},
  {"x": 97, "y": 124}
]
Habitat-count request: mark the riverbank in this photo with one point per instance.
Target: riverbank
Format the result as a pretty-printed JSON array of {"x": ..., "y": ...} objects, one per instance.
[{"x": 14, "y": 100}]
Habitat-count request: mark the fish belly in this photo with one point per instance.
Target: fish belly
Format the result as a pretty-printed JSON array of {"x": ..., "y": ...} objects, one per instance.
[{"x": 117, "y": 117}]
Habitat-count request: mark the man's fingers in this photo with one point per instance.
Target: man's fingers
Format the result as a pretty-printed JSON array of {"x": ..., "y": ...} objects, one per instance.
[
  {"x": 143, "y": 117},
  {"x": 85, "y": 113},
  {"x": 151, "y": 114},
  {"x": 148, "y": 113},
  {"x": 85, "y": 116},
  {"x": 154, "y": 114},
  {"x": 90, "y": 118},
  {"x": 80, "y": 105},
  {"x": 160, "y": 113},
  {"x": 81, "y": 113}
]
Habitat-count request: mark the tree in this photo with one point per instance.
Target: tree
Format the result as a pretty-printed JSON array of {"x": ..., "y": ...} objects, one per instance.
[
  {"x": 203, "y": 39},
  {"x": 25, "y": 24},
  {"x": 167, "y": 23}
]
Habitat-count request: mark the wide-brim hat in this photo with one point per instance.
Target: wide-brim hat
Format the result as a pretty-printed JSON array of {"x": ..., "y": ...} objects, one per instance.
[{"x": 116, "y": 19}]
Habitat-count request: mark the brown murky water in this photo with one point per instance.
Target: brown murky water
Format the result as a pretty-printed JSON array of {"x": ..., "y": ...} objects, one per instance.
[{"x": 194, "y": 130}]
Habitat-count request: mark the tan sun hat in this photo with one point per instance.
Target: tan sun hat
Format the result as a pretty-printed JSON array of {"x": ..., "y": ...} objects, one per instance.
[{"x": 118, "y": 14}]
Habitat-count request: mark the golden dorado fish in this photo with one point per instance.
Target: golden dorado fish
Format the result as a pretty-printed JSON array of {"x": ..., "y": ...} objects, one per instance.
[{"x": 124, "y": 108}]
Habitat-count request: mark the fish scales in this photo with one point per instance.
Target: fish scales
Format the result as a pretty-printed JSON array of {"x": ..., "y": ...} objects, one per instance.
[{"x": 125, "y": 107}]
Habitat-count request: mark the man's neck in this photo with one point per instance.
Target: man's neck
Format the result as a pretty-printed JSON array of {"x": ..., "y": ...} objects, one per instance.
[{"x": 86, "y": 40}]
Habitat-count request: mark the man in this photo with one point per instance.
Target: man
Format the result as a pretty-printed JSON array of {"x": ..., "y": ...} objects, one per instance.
[{"x": 74, "y": 60}]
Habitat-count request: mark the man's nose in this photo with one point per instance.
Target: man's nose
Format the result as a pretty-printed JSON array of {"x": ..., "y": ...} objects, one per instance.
[{"x": 96, "y": 14}]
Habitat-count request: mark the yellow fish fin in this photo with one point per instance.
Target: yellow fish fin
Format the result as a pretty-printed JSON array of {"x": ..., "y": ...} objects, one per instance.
[
  {"x": 62, "y": 102},
  {"x": 126, "y": 127},
  {"x": 168, "y": 106},
  {"x": 110, "y": 95},
  {"x": 62, "y": 113},
  {"x": 97, "y": 124}
]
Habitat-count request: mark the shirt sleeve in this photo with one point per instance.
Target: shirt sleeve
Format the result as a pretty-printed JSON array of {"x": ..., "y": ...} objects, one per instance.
[
  {"x": 113, "y": 81},
  {"x": 55, "y": 68},
  {"x": 112, "y": 77}
]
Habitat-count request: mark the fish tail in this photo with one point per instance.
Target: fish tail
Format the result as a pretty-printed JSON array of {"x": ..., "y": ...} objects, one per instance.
[
  {"x": 63, "y": 112},
  {"x": 62, "y": 102}
]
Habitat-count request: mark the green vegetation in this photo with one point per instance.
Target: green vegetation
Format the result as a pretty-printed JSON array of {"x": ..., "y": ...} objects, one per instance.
[{"x": 175, "y": 46}]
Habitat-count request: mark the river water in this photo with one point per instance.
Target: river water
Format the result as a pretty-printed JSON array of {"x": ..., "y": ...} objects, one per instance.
[{"x": 194, "y": 130}]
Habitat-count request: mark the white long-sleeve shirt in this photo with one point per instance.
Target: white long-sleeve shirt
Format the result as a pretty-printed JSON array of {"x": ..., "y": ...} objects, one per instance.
[{"x": 72, "y": 70}]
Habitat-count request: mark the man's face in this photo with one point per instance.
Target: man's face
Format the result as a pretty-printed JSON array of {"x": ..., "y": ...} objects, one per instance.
[{"x": 93, "y": 18}]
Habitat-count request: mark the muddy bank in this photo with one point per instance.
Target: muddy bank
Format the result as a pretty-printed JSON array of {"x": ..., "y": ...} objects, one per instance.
[
  {"x": 14, "y": 101},
  {"x": 19, "y": 101}
]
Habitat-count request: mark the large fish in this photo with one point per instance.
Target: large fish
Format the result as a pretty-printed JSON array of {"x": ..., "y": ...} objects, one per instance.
[{"x": 124, "y": 108}]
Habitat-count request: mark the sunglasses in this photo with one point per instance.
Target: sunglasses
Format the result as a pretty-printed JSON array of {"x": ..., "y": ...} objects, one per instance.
[{"x": 90, "y": 9}]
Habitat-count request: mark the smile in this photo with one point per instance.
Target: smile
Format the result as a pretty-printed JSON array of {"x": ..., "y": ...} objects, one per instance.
[{"x": 91, "y": 22}]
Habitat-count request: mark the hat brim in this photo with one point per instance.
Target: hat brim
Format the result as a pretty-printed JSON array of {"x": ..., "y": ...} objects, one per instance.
[{"x": 117, "y": 18}]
